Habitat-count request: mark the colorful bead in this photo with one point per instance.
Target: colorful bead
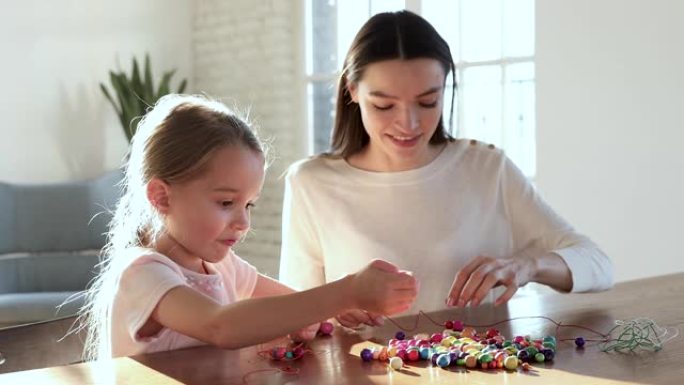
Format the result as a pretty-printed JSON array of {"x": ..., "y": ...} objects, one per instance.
[
  {"x": 579, "y": 341},
  {"x": 443, "y": 360},
  {"x": 470, "y": 361},
  {"x": 511, "y": 362},
  {"x": 326, "y": 328},
  {"x": 366, "y": 355},
  {"x": 396, "y": 363},
  {"x": 400, "y": 335},
  {"x": 449, "y": 325},
  {"x": 458, "y": 326},
  {"x": 413, "y": 355},
  {"x": 539, "y": 357},
  {"x": 278, "y": 353}
]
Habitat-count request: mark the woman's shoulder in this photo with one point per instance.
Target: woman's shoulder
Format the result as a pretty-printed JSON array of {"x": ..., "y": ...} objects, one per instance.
[
  {"x": 475, "y": 151},
  {"x": 313, "y": 167}
]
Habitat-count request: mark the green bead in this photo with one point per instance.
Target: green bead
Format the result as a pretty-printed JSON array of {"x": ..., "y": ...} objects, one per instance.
[
  {"x": 539, "y": 357},
  {"x": 532, "y": 351},
  {"x": 289, "y": 355},
  {"x": 460, "y": 362},
  {"x": 549, "y": 344},
  {"x": 486, "y": 358},
  {"x": 507, "y": 343}
]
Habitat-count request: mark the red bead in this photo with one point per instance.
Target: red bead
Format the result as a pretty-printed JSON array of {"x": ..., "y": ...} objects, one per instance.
[
  {"x": 413, "y": 355},
  {"x": 458, "y": 326},
  {"x": 326, "y": 328},
  {"x": 278, "y": 353},
  {"x": 449, "y": 325},
  {"x": 436, "y": 338}
]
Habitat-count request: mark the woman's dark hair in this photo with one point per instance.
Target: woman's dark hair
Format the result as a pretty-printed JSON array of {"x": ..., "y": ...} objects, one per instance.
[{"x": 385, "y": 36}]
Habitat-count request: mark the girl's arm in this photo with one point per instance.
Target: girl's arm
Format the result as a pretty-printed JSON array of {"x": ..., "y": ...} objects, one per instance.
[
  {"x": 379, "y": 288},
  {"x": 267, "y": 287}
]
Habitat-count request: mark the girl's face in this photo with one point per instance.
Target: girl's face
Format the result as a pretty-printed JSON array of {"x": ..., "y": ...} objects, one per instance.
[
  {"x": 401, "y": 104},
  {"x": 207, "y": 215}
]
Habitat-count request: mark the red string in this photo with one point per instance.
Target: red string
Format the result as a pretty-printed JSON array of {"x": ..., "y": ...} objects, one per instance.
[{"x": 558, "y": 325}]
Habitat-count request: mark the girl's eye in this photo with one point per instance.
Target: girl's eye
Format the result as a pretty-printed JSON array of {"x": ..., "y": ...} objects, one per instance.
[
  {"x": 383, "y": 108},
  {"x": 225, "y": 203},
  {"x": 428, "y": 105}
]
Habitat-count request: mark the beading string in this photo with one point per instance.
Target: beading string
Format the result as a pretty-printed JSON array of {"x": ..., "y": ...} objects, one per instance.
[
  {"x": 637, "y": 335},
  {"x": 558, "y": 324}
]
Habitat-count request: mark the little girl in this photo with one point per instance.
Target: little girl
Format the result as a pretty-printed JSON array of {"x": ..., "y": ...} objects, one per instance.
[{"x": 169, "y": 277}]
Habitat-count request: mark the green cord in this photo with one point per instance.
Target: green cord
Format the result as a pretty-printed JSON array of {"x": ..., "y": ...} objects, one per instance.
[{"x": 636, "y": 335}]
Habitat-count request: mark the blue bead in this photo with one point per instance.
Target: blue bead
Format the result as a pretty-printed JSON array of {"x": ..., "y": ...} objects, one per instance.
[
  {"x": 443, "y": 360},
  {"x": 579, "y": 341},
  {"x": 366, "y": 355},
  {"x": 548, "y": 354},
  {"x": 400, "y": 335}
]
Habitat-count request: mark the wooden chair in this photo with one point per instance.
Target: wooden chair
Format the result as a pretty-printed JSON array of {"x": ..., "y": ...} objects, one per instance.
[{"x": 39, "y": 345}]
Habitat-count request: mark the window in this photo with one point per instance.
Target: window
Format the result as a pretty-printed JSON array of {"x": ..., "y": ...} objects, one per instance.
[{"x": 492, "y": 42}]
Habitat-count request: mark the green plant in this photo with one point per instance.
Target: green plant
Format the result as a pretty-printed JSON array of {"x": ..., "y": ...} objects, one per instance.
[{"x": 136, "y": 93}]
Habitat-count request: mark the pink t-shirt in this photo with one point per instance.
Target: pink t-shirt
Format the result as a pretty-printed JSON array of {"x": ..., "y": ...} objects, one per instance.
[{"x": 149, "y": 276}]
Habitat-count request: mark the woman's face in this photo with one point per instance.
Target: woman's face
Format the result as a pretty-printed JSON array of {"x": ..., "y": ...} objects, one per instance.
[{"x": 401, "y": 104}]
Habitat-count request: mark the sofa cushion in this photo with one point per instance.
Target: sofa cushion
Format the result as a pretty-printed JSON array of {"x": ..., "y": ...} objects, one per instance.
[
  {"x": 57, "y": 217},
  {"x": 22, "y": 308},
  {"x": 44, "y": 272}
]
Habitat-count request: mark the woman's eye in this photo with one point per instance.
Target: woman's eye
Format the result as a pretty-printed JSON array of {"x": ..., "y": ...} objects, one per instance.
[
  {"x": 383, "y": 108},
  {"x": 428, "y": 105}
]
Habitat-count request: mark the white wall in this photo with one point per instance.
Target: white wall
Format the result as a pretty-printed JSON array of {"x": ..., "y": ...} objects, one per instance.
[
  {"x": 609, "y": 81},
  {"x": 56, "y": 124},
  {"x": 610, "y": 90},
  {"x": 250, "y": 53}
]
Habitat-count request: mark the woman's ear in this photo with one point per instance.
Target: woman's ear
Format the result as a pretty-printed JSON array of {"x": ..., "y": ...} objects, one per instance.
[
  {"x": 158, "y": 195},
  {"x": 353, "y": 90}
]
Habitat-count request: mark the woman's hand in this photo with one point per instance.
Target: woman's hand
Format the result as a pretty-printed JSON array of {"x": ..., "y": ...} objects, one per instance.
[{"x": 481, "y": 274}]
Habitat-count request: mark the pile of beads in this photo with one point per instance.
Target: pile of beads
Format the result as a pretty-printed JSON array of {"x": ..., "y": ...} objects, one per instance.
[{"x": 464, "y": 346}]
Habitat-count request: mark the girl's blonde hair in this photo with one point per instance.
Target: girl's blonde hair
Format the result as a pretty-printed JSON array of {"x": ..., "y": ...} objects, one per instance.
[{"x": 174, "y": 142}]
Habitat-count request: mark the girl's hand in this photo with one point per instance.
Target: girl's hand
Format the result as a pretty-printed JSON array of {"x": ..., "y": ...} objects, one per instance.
[
  {"x": 382, "y": 288},
  {"x": 482, "y": 274},
  {"x": 306, "y": 334},
  {"x": 354, "y": 318}
]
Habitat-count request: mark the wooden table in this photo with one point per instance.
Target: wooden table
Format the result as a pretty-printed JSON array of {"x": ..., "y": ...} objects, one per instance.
[{"x": 335, "y": 359}]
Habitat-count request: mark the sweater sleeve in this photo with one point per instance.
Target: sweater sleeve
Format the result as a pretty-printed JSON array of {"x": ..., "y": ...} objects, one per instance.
[
  {"x": 538, "y": 229},
  {"x": 301, "y": 260}
]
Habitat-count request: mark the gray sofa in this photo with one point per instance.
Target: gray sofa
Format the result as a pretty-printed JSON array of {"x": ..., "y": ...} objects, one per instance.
[{"x": 50, "y": 237}]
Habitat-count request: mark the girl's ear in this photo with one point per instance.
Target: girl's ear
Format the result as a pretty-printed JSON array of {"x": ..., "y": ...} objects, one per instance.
[
  {"x": 353, "y": 90},
  {"x": 158, "y": 195}
]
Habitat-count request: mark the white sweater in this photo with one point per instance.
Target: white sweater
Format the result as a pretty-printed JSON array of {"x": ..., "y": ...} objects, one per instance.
[{"x": 471, "y": 200}]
